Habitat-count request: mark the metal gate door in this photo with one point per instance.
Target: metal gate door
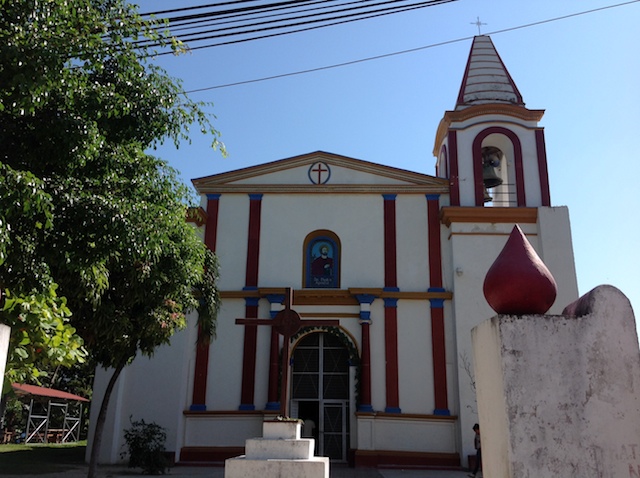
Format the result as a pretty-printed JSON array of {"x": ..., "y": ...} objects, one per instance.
[{"x": 320, "y": 392}]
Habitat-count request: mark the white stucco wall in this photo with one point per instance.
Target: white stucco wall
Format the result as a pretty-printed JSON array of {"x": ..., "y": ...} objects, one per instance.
[
  {"x": 152, "y": 389},
  {"x": 560, "y": 395}
]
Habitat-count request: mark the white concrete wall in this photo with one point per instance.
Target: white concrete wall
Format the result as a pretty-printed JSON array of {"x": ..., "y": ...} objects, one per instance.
[
  {"x": 407, "y": 434},
  {"x": 155, "y": 390},
  {"x": 555, "y": 247},
  {"x": 560, "y": 395}
]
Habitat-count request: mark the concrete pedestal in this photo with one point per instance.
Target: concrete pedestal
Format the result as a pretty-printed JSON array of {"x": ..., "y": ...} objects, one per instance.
[
  {"x": 5, "y": 333},
  {"x": 279, "y": 453},
  {"x": 559, "y": 396}
]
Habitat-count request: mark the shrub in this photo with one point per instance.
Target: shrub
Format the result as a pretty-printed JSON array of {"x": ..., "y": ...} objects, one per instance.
[{"x": 145, "y": 443}]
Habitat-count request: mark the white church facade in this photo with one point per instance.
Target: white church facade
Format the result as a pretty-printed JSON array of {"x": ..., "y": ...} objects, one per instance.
[{"x": 385, "y": 267}]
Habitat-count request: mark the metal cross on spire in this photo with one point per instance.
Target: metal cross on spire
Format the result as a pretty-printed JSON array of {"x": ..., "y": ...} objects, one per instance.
[{"x": 478, "y": 23}]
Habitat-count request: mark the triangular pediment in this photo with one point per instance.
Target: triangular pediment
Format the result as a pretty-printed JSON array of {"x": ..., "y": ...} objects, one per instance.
[{"x": 320, "y": 172}]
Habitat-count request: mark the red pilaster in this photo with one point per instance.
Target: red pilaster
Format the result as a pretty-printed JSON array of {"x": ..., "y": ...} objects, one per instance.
[
  {"x": 391, "y": 354},
  {"x": 390, "y": 304},
  {"x": 435, "y": 249},
  {"x": 249, "y": 357},
  {"x": 365, "y": 384},
  {"x": 253, "y": 244},
  {"x": 199, "y": 396},
  {"x": 439, "y": 360},
  {"x": 251, "y": 283},
  {"x": 437, "y": 308},
  {"x": 390, "y": 271},
  {"x": 273, "y": 399},
  {"x": 542, "y": 168},
  {"x": 453, "y": 169}
]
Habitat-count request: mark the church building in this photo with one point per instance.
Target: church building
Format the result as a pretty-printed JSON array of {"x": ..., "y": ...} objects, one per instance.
[{"x": 349, "y": 291}]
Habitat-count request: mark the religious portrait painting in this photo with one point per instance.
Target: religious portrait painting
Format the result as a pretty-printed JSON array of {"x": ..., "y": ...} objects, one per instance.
[{"x": 322, "y": 263}]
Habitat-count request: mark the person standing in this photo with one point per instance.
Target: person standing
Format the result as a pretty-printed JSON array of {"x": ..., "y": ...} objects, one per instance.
[{"x": 476, "y": 444}]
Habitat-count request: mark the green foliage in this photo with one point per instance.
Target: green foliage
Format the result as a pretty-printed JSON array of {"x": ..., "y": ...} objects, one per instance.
[
  {"x": 82, "y": 205},
  {"x": 145, "y": 447},
  {"x": 41, "y": 338}
]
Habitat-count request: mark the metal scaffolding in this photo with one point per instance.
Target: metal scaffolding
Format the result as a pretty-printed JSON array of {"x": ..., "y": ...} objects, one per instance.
[{"x": 54, "y": 416}]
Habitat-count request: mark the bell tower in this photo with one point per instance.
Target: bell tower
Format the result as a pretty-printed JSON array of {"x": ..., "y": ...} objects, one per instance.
[
  {"x": 490, "y": 146},
  {"x": 492, "y": 151}
]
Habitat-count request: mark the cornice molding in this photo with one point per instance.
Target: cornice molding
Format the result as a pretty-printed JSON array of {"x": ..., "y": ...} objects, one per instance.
[
  {"x": 406, "y": 416},
  {"x": 440, "y": 186},
  {"x": 458, "y": 116},
  {"x": 488, "y": 215},
  {"x": 335, "y": 296}
]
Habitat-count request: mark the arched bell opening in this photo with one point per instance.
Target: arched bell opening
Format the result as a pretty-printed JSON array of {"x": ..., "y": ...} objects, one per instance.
[
  {"x": 492, "y": 159},
  {"x": 498, "y": 173}
]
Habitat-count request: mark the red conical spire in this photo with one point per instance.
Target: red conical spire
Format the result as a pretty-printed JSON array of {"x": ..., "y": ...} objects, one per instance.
[{"x": 518, "y": 282}]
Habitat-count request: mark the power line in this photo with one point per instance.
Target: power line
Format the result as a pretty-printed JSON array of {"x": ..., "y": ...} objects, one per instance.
[
  {"x": 359, "y": 16},
  {"x": 342, "y": 14},
  {"x": 412, "y": 50}
]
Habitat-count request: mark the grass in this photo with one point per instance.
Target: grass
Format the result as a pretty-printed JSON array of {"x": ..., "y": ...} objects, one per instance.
[{"x": 41, "y": 458}]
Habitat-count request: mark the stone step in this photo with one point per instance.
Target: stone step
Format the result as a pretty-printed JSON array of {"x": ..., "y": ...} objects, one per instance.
[
  {"x": 283, "y": 449},
  {"x": 242, "y": 467}
]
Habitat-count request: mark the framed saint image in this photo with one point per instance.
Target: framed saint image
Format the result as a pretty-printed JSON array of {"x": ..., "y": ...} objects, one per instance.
[{"x": 322, "y": 263}]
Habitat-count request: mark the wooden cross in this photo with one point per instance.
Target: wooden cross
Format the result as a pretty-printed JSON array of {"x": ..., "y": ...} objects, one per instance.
[{"x": 287, "y": 323}]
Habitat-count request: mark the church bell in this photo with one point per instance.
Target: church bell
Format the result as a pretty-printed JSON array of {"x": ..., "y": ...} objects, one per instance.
[{"x": 490, "y": 162}]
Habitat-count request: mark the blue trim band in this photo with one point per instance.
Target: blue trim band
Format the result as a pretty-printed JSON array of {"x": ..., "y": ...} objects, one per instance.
[
  {"x": 365, "y": 298},
  {"x": 390, "y": 302},
  {"x": 244, "y": 406},
  {"x": 389, "y": 197},
  {"x": 198, "y": 408},
  {"x": 437, "y": 303},
  {"x": 432, "y": 197},
  {"x": 272, "y": 406},
  {"x": 251, "y": 301},
  {"x": 442, "y": 412},
  {"x": 392, "y": 410},
  {"x": 365, "y": 408},
  {"x": 213, "y": 196},
  {"x": 275, "y": 298},
  {"x": 365, "y": 315},
  {"x": 255, "y": 197}
]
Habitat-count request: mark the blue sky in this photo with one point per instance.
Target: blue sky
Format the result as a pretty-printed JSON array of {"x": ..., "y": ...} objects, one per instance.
[{"x": 583, "y": 70}]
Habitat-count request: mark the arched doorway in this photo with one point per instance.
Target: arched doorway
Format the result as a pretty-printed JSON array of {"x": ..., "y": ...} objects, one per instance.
[{"x": 320, "y": 392}]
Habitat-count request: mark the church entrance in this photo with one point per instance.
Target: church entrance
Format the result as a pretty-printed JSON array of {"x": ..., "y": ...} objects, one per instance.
[{"x": 320, "y": 392}]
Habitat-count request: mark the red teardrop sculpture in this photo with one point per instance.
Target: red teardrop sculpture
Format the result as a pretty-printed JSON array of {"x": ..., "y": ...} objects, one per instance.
[{"x": 518, "y": 282}]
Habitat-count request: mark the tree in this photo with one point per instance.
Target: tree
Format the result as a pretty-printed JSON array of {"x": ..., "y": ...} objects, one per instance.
[
  {"x": 82, "y": 104},
  {"x": 42, "y": 336}
]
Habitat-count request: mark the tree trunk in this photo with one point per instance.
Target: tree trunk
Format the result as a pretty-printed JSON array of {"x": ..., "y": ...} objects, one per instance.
[{"x": 102, "y": 416}]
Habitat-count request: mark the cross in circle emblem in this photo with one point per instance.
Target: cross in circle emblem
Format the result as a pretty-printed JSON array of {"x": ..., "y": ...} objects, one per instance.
[{"x": 319, "y": 173}]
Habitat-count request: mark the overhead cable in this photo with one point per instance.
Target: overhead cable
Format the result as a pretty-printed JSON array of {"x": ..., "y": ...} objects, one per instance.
[{"x": 411, "y": 50}]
